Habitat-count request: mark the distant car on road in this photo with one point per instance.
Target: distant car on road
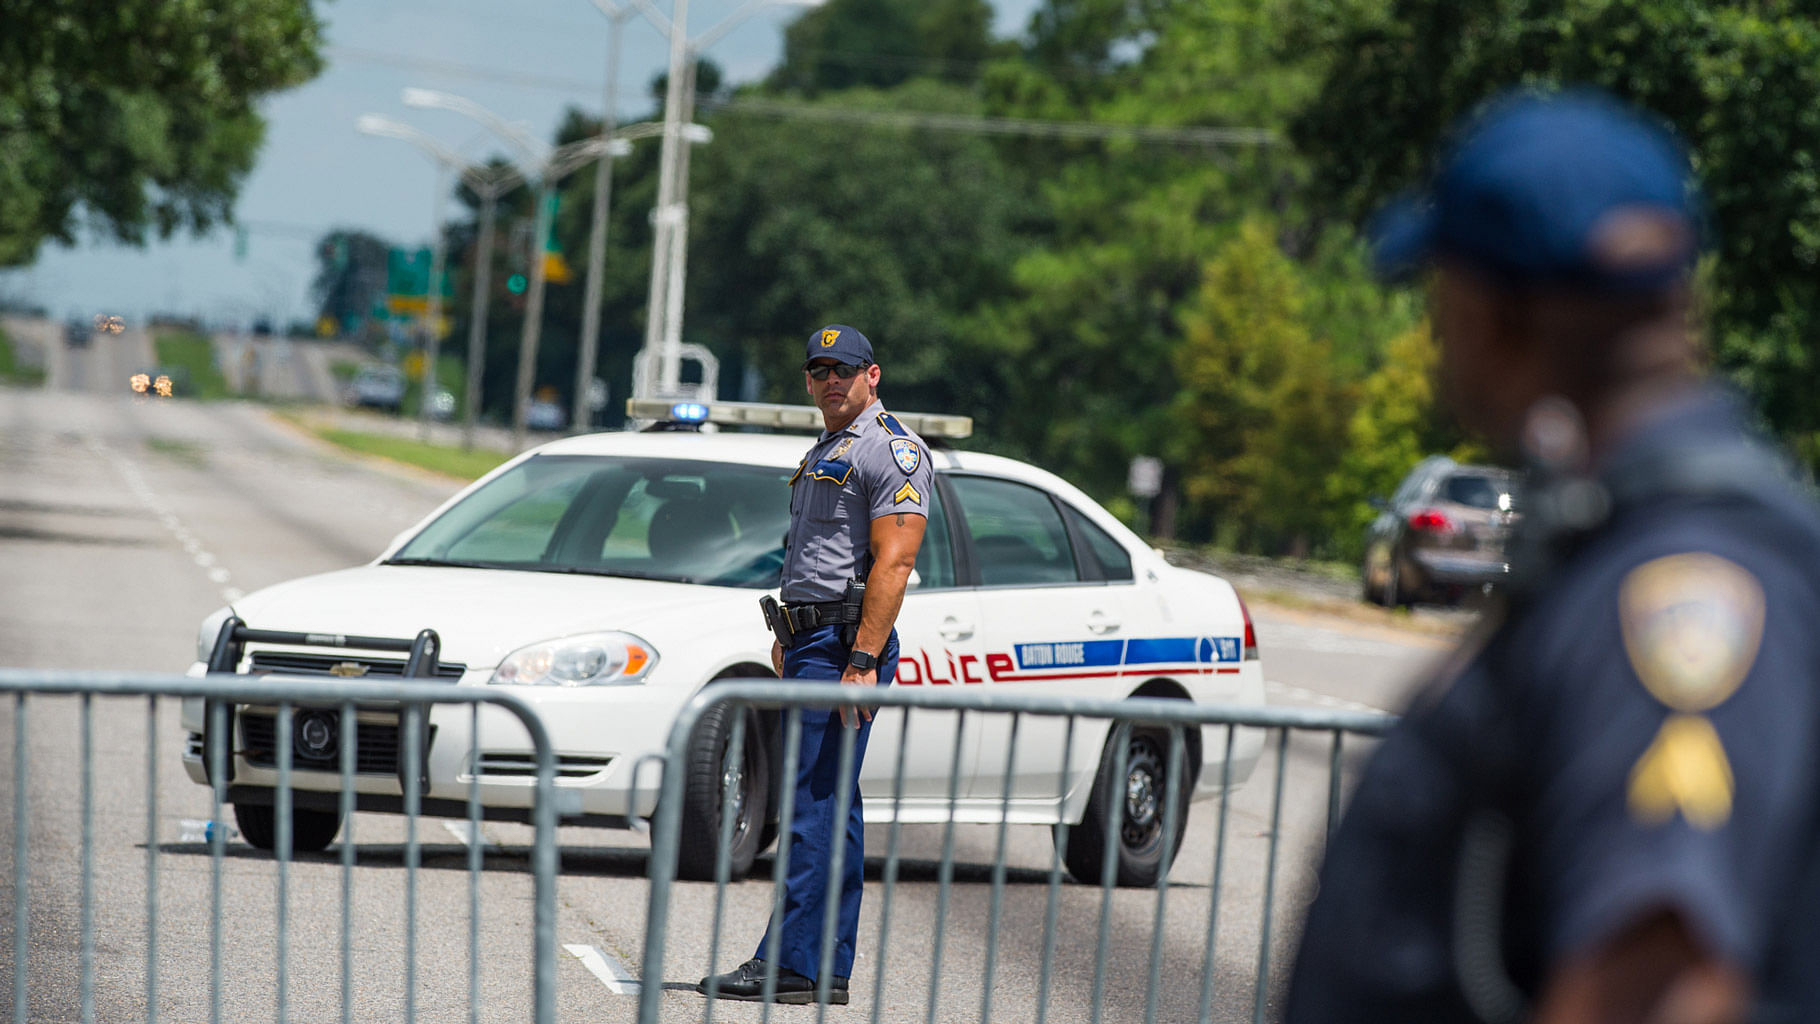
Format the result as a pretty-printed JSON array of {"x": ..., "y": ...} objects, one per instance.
[
  {"x": 377, "y": 387},
  {"x": 1441, "y": 536}
]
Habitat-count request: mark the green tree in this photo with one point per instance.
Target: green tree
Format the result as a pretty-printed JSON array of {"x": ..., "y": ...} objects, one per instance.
[
  {"x": 897, "y": 231},
  {"x": 137, "y": 115},
  {"x": 1741, "y": 80},
  {"x": 350, "y": 277},
  {"x": 1261, "y": 415},
  {"x": 884, "y": 43},
  {"x": 1391, "y": 428}
]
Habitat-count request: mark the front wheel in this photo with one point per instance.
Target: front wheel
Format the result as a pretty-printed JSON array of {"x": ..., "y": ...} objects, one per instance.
[
  {"x": 1143, "y": 793},
  {"x": 311, "y": 831},
  {"x": 710, "y": 784}
]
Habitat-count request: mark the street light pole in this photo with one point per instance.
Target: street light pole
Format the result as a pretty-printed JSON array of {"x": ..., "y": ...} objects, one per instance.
[
  {"x": 477, "y": 316},
  {"x": 658, "y": 366},
  {"x": 666, "y": 212},
  {"x": 426, "y": 395},
  {"x": 597, "y": 234}
]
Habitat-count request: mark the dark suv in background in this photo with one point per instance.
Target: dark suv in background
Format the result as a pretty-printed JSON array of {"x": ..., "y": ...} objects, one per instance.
[{"x": 1442, "y": 535}]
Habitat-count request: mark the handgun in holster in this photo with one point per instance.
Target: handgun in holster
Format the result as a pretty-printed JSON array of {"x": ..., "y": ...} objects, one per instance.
[
  {"x": 852, "y": 600},
  {"x": 776, "y": 621}
]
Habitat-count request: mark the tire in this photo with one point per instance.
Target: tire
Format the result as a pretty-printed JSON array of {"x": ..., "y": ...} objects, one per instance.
[
  {"x": 311, "y": 831},
  {"x": 1143, "y": 794},
  {"x": 707, "y": 780}
]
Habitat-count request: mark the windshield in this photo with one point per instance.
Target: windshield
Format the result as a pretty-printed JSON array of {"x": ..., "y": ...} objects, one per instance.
[
  {"x": 1485, "y": 491},
  {"x": 692, "y": 522}
]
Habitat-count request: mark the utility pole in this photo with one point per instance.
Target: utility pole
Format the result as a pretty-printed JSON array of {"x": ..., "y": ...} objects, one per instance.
[{"x": 597, "y": 234}]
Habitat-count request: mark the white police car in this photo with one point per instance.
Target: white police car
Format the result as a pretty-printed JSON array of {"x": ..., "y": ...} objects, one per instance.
[{"x": 608, "y": 577}]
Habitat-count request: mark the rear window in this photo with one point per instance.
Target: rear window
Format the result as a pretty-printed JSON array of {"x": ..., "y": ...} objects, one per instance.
[{"x": 1478, "y": 490}]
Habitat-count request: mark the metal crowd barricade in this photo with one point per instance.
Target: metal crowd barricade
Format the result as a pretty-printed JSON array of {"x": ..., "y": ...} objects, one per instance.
[
  {"x": 1123, "y": 715},
  {"x": 412, "y": 700}
]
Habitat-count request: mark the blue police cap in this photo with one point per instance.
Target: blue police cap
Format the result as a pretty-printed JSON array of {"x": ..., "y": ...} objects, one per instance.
[
  {"x": 1569, "y": 188},
  {"x": 841, "y": 343}
]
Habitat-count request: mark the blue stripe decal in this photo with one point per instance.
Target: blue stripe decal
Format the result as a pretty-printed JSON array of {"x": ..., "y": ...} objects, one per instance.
[
  {"x": 1172, "y": 650},
  {"x": 1169, "y": 649},
  {"x": 1070, "y": 655}
]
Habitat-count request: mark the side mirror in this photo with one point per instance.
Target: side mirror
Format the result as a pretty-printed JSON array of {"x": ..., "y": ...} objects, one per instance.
[{"x": 1377, "y": 502}]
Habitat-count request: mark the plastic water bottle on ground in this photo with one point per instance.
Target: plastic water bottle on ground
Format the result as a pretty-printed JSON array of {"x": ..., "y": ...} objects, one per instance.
[{"x": 197, "y": 830}]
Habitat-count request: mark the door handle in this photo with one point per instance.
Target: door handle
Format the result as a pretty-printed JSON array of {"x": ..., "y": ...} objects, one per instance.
[
  {"x": 1100, "y": 622},
  {"x": 955, "y": 629}
]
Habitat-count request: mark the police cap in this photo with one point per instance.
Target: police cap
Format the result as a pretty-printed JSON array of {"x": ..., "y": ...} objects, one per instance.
[
  {"x": 841, "y": 343},
  {"x": 1571, "y": 188}
]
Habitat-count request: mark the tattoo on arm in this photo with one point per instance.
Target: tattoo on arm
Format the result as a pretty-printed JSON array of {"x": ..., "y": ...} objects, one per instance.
[{"x": 900, "y": 519}]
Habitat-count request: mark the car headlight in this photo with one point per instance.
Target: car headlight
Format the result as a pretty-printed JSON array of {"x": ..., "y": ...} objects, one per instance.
[
  {"x": 209, "y": 630},
  {"x": 591, "y": 659}
]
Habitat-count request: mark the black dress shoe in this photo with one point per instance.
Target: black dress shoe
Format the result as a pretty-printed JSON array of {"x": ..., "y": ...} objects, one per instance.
[{"x": 747, "y": 982}]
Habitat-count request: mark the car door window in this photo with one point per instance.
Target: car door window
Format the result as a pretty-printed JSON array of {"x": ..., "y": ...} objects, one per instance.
[
  {"x": 935, "y": 560},
  {"x": 1106, "y": 558},
  {"x": 1018, "y": 536}
]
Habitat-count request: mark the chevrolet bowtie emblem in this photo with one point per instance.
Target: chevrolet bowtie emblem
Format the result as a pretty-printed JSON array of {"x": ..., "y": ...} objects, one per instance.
[{"x": 348, "y": 670}]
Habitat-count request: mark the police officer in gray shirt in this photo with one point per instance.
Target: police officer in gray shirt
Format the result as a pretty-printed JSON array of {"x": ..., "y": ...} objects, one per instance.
[{"x": 858, "y": 506}]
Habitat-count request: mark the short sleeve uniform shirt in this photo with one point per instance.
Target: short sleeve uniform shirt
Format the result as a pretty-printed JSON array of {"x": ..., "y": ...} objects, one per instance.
[
  {"x": 1660, "y": 703},
  {"x": 874, "y": 467}
]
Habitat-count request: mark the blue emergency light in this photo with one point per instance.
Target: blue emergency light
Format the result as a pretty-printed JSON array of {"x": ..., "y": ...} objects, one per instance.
[{"x": 688, "y": 412}]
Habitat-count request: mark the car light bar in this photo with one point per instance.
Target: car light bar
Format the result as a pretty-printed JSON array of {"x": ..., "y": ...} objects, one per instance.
[{"x": 781, "y": 417}]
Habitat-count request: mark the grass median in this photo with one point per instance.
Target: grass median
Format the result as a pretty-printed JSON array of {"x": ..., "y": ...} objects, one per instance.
[
  {"x": 190, "y": 360},
  {"x": 454, "y": 462},
  {"x": 12, "y": 371}
]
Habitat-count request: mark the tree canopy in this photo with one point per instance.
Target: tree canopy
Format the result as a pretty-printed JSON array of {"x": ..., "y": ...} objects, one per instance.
[
  {"x": 137, "y": 116},
  {"x": 1088, "y": 300}
]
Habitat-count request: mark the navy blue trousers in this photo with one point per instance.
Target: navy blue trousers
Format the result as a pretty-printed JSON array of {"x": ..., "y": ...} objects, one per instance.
[{"x": 819, "y": 654}]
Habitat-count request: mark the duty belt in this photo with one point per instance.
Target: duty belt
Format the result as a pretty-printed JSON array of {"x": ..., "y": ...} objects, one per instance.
[{"x": 819, "y": 613}]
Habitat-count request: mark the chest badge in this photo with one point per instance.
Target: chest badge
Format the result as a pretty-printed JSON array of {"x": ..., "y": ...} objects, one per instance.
[{"x": 906, "y": 454}]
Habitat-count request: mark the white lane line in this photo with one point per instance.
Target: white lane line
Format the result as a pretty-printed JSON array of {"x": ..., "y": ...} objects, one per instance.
[
  {"x": 136, "y": 483},
  {"x": 608, "y": 969},
  {"x": 459, "y": 829},
  {"x": 1321, "y": 699}
]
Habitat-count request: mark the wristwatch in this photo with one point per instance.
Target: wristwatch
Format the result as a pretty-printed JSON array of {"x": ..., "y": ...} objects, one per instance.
[{"x": 863, "y": 661}]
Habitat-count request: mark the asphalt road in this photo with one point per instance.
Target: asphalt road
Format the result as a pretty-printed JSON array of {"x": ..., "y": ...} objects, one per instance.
[{"x": 124, "y": 521}]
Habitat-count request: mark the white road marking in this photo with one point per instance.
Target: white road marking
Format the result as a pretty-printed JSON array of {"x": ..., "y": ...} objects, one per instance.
[
  {"x": 136, "y": 483},
  {"x": 604, "y": 966},
  {"x": 459, "y": 829},
  {"x": 1320, "y": 699}
]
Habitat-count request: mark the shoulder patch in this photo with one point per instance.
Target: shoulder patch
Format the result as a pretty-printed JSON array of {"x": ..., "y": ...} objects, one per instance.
[
  {"x": 907, "y": 454},
  {"x": 889, "y": 422},
  {"x": 1692, "y": 624},
  {"x": 907, "y": 493}
]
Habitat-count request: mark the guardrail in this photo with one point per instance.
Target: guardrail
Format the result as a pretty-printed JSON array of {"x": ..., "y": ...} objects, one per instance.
[
  {"x": 344, "y": 700},
  {"x": 1177, "y": 717}
]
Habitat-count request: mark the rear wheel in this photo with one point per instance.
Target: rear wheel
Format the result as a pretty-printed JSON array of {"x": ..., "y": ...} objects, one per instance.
[
  {"x": 1142, "y": 795},
  {"x": 311, "y": 831},
  {"x": 710, "y": 784}
]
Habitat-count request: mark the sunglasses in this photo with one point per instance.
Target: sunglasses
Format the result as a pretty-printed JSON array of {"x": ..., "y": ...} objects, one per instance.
[{"x": 843, "y": 371}]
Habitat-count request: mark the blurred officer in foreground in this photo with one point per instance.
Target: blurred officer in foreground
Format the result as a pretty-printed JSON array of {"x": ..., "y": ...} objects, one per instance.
[
  {"x": 857, "y": 512},
  {"x": 1604, "y": 809}
]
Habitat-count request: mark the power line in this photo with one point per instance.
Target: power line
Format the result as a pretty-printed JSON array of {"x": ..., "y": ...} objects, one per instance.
[
  {"x": 1024, "y": 126},
  {"x": 1015, "y": 126}
]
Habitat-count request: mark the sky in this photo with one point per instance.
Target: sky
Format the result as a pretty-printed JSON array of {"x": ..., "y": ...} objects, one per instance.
[{"x": 526, "y": 60}]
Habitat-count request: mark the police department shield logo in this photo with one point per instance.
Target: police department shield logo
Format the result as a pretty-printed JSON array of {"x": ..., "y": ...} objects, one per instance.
[{"x": 907, "y": 454}]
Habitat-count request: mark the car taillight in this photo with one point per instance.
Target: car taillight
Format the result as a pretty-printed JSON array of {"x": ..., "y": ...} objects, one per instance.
[
  {"x": 1250, "y": 653},
  {"x": 1430, "y": 520}
]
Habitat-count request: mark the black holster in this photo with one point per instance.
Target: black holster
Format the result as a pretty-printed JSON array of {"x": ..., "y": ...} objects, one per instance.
[{"x": 852, "y": 600}]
